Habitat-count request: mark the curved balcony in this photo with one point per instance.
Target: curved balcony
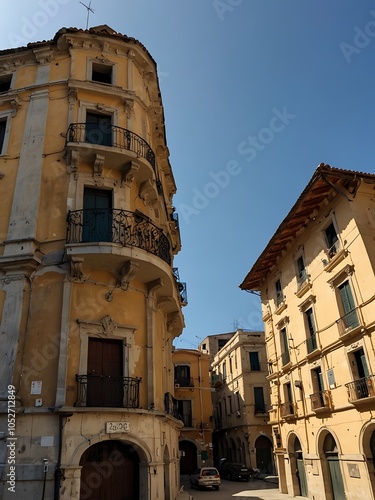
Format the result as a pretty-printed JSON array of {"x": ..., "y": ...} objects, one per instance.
[
  {"x": 118, "y": 145},
  {"x": 110, "y": 225}
]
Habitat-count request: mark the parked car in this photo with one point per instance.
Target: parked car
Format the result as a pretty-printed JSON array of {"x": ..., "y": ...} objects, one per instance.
[
  {"x": 232, "y": 471},
  {"x": 205, "y": 477}
]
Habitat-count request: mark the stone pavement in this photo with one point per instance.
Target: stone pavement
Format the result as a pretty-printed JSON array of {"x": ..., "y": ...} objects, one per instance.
[{"x": 263, "y": 488}]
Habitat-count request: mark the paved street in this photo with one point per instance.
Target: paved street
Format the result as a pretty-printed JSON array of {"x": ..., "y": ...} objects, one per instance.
[{"x": 255, "y": 490}]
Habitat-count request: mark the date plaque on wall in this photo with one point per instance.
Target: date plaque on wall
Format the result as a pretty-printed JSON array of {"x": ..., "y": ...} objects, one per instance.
[{"x": 112, "y": 427}]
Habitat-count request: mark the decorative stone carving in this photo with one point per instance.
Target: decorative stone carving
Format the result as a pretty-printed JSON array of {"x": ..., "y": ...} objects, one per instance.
[
  {"x": 129, "y": 171},
  {"x": 98, "y": 169},
  {"x": 72, "y": 163},
  {"x": 172, "y": 321},
  {"x": 127, "y": 273},
  {"x": 76, "y": 264},
  {"x": 129, "y": 108},
  {"x": 147, "y": 192},
  {"x": 109, "y": 326}
]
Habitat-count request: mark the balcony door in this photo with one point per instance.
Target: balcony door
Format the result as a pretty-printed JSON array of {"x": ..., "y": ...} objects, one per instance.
[
  {"x": 98, "y": 129},
  {"x": 105, "y": 373},
  {"x": 97, "y": 215}
]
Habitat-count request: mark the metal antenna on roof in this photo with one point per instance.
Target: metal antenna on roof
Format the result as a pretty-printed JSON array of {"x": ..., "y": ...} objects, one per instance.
[{"x": 89, "y": 9}]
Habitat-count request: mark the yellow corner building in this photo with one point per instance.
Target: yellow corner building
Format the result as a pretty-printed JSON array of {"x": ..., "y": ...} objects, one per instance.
[{"x": 89, "y": 298}]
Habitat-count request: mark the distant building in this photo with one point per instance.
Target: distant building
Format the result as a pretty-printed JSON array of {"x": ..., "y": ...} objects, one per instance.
[
  {"x": 316, "y": 277},
  {"x": 192, "y": 392},
  {"x": 213, "y": 343},
  {"x": 241, "y": 399},
  {"x": 89, "y": 299}
]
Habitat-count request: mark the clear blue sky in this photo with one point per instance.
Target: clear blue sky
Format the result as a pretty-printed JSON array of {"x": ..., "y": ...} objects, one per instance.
[{"x": 256, "y": 94}]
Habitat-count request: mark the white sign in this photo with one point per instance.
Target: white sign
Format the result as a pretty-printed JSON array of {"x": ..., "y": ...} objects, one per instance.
[
  {"x": 111, "y": 427},
  {"x": 36, "y": 387}
]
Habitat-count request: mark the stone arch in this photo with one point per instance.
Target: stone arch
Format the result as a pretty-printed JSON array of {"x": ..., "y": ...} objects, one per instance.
[
  {"x": 297, "y": 465},
  {"x": 188, "y": 458},
  {"x": 110, "y": 469},
  {"x": 367, "y": 448},
  {"x": 329, "y": 449},
  {"x": 264, "y": 454}
]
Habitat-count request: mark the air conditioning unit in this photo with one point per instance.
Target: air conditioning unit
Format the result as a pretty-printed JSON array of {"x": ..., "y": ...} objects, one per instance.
[{"x": 176, "y": 386}]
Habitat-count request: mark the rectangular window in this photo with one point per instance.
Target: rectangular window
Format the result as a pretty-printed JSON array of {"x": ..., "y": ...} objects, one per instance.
[
  {"x": 238, "y": 401},
  {"x": 318, "y": 399},
  {"x": 301, "y": 270},
  {"x": 101, "y": 73},
  {"x": 311, "y": 330},
  {"x": 3, "y": 125},
  {"x": 184, "y": 412},
  {"x": 224, "y": 370},
  {"x": 221, "y": 343},
  {"x": 230, "y": 405},
  {"x": 285, "y": 356},
  {"x": 350, "y": 318},
  {"x": 332, "y": 240},
  {"x": 182, "y": 376},
  {"x": 98, "y": 129},
  {"x": 259, "y": 405},
  {"x": 279, "y": 293},
  {"x": 254, "y": 361},
  {"x": 5, "y": 82},
  {"x": 230, "y": 366}
]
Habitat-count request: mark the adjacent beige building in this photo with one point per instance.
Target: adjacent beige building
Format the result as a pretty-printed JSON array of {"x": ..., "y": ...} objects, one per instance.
[
  {"x": 316, "y": 277},
  {"x": 89, "y": 299},
  {"x": 193, "y": 403},
  {"x": 241, "y": 399}
]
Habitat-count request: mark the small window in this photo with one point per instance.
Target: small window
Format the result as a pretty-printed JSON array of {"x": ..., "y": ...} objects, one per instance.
[
  {"x": 221, "y": 343},
  {"x": 182, "y": 376},
  {"x": 101, "y": 73},
  {"x": 311, "y": 330},
  {"x": 230, "y": 405},
  {"x": 230, "y": 366},
  {"x": 285, "y": 356},
  {"x": 224, "y": 370},
  {"x": 185, "y": 412},
  {"x": 259, "y": 405},
  {"x": 279, "y": 293},
  {"x": 3, "y": 125},
  {"x": 332, "y": 240},
  {"x": 350, "y": 318},
  {"x": 5, "y": 82},
  {"x": 301, "y": 270},
  {"x": 254, "y": 361}
]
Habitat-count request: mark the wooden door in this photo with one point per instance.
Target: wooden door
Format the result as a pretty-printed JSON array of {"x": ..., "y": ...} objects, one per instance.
[
  {"x": 301, "y": 474},
  {"x": 110, "y": 471},
  {"x": 336, "y": 477},
  {"x": 105, "y": 373}
]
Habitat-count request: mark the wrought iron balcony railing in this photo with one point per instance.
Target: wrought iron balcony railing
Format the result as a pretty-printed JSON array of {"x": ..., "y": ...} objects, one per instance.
[
  {"x": 171, "y": 405},
  {"x": 101, "y": 390},
  {"x": 285, "y": 358},
  {"x": 110, "y": 135},
  {"x": 182, "y": 288},
  {"x": 117, "y": 226},
  {"x": 361, "y": 388},
  {"x": 348, "y": 322},
  {"x": 320, "y": 400},
  {"x": 260, "y": 410},
  {"x": 287, "y": 409},
  {"x": 184, "y": 382},
  {"x": 311, "y": 343}
]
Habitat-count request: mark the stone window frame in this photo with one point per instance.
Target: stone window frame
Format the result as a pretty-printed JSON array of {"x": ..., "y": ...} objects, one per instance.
[
  {"x": 12, "y": 75},
  {"x": 5, "y": 116},
  {"x": 103, "y": 62},
  {"x": 106, "y": 328}
]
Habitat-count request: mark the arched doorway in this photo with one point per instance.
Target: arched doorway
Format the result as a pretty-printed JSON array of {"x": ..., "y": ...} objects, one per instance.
[
  {"x": 332, "y": 457},
  {"x": 110, "y": 471},
  {"x": 298, "y": 469},
  {"x": 188, "y": 460},
  {"x": 264, "y": 457},
  {"x": 368, "y": 443}
]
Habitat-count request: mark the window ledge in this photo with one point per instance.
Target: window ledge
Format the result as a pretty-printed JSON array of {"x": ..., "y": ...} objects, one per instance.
[
  {"x": 316, "y": 352},
  {"x": 336, "y": 259},
  {"x": 305, "y": 286},
  {"x": 281, "y": 307}
]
